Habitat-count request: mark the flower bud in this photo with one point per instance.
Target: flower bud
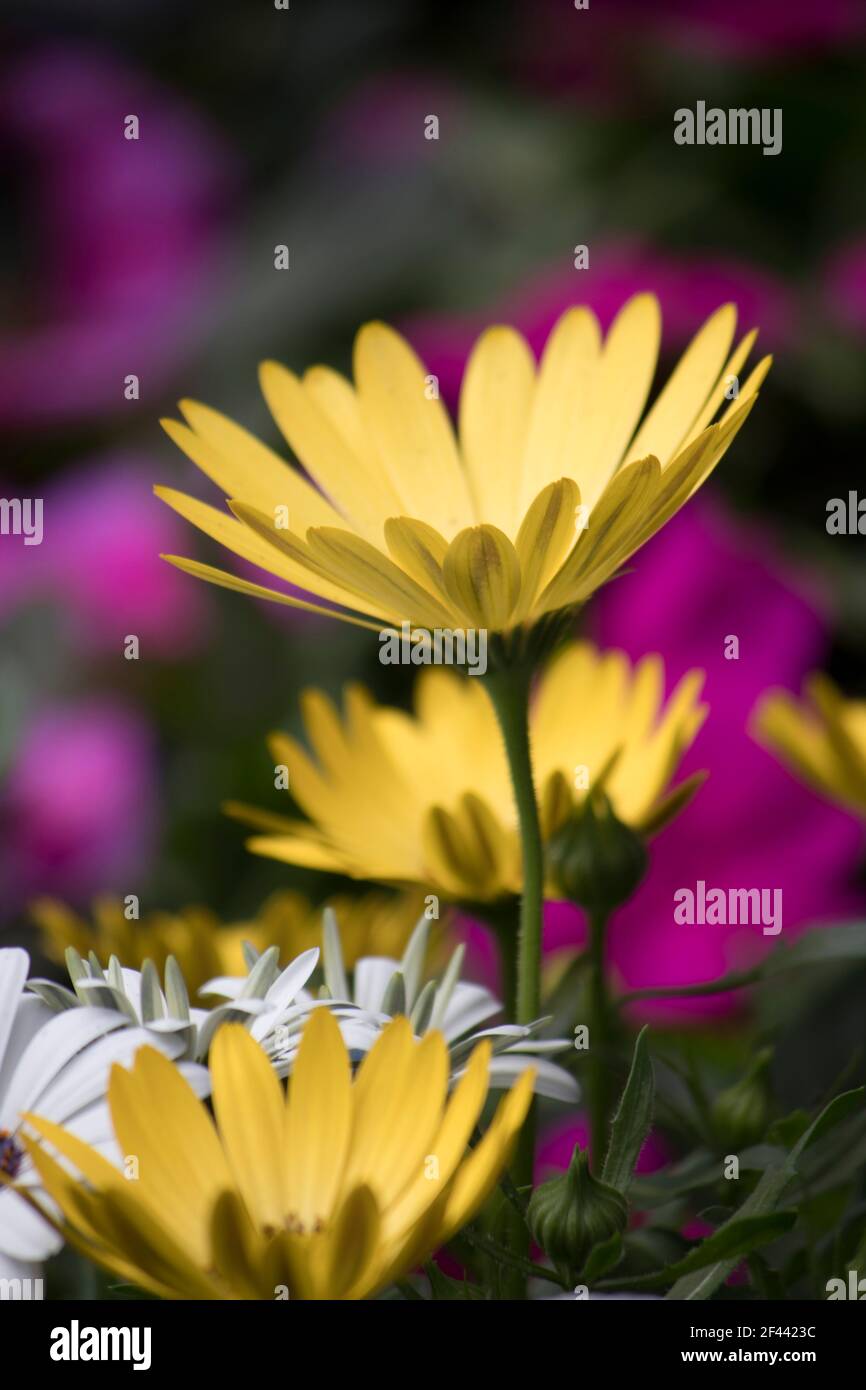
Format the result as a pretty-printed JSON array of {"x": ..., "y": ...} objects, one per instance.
[
  {"x": 595, "y": 860},
  {"x": 739, "y": 1114},
  {"x": 573, "y": 1213}
]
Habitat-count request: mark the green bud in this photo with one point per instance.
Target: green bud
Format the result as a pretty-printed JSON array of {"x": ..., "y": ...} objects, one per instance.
[
  {"x": 740, "y": 1113},
  {"x": 573, "y": 1213},
  {"x": 595, "y": 860}
]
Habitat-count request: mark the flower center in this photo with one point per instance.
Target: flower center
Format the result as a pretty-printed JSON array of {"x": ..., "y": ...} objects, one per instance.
[{"x": 11, "y": 1155}]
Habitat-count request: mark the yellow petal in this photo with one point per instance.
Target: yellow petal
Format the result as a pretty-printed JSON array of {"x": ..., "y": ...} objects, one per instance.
[
  {"x": 482, "y": 575},
  {"x": 398, "y": 1097},
  {"x": 420, "y": 551},
  {"x": 614, "y": 520},
  {"x": 670, "y": 420},
  {"x": 318, "y": 1121},
  {"x": 223, "y": 580},
  {"x": 619, "y": 392},
  {"x": 448, "y": 1147},
  {"x": 248, "y": 1104},
  {"x": 410, "y": 431},
  {"x": 241, "y": 466},
  {"x": 547, "y": 533},
  {"x": 351, "y": 1247},
  {"x": 344, "y": 475},
  {"x": 495, "y": 403},
  {"x": 561, "y": 403},
  {"x": 361, "y": 567},
  {"x": 479, "y": 1173},
  {"x": 262, "y": 549},
  {"x": 158, "y": 1118}
]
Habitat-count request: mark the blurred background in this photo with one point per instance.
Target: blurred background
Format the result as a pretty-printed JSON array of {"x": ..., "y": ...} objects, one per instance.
[{"x": 306, "y": 126}]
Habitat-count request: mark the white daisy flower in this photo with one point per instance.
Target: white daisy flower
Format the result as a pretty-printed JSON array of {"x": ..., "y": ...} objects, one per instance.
[
  {"x": 56, "y": 1065},
  {"x": 264, "y": 997},
  {"x": 381, "y": 987}
]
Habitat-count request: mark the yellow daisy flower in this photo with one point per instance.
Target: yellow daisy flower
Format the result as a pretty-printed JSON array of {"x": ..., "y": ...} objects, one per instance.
[
  {"x": 426, "y": 798},
  {"x": 822, "y": 739},
  {"x": 373, "y": 924},
  {"x": 332, "y": 1191},
  {"x": 555, "y": 478}
]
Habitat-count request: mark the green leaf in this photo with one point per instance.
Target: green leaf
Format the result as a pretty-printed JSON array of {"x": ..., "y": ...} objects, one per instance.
[
  {"x": 442, "y": 1286},
  {"x": 632, "y": 1120},
  {"x": 602, "y": 1258},
  {"x": 763, "y": 1200},
  {"x": 739, "y": 1236},
  {"x": 821, "y": 946},
  {"x": 789, "y": 1129},
  {"x": 833, "y": 1114}
]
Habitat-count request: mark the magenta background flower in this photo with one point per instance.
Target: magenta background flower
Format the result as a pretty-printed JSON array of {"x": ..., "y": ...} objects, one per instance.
[
  {"x": 752, "y": 825},
  {"x": 78, "y": 807},
  {"x": 556, "y": 1145},
  {"x": 844, "y": 285},
  {"x": 99, "y": 563},
  {"x": 689, "y": 291},
  {"x": 124, "y": 236},
  {"x": 592, "y": 54},
  {"x": 704, "y": 577},
  {"x": 701, "y": 580},
  {"x": 380, "y": 123}
]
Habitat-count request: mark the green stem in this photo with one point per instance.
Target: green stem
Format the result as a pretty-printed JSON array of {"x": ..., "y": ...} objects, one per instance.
[
  {"x": 509, "y": 691},
  {"x": 600, "y": 1098}
]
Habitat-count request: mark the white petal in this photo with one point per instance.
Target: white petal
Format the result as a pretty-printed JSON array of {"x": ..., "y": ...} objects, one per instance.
[
  {"x": 14, "y": 964},
  {"x": 23, "y": 1234},
  {"x": 372, "y": 974},
  {"x": 227, "y": 986},
  {"x": 48, "y": 1053},
  {"x": 18, "y": 1269},
  {"x": 85, "y": 1078},
  {"x": 31, "y": 1015},
  {"x": 551, "y": 1081},
  {"x": 468, "y": 1006},
  {"x": 293, "y": 978}
]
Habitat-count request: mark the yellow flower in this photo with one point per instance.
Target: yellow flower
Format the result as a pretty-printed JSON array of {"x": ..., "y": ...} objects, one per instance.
[
  {"x": 426, "y": 798},
  {"x": 332, "y": 1191},
  {"x": 822, "y": 738},
  {"x": 555, "y": 481},
  {"x": 374, "y": 924}
]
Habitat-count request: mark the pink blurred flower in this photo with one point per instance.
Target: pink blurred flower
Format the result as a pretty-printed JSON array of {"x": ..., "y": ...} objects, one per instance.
[
  {"x": 124, "y": 235},
  {"x": 702, "y": 580},
  {"x": 845, "y": 285},
  {"x": 79, "y": 802},
  {"x": 556, "y": 1145},
  {"x": 381, "y": 122},
  {"x": 99, "y": 562},
  {"x": 689, "y": 290},
  {"x": 595, "y": 54}
]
